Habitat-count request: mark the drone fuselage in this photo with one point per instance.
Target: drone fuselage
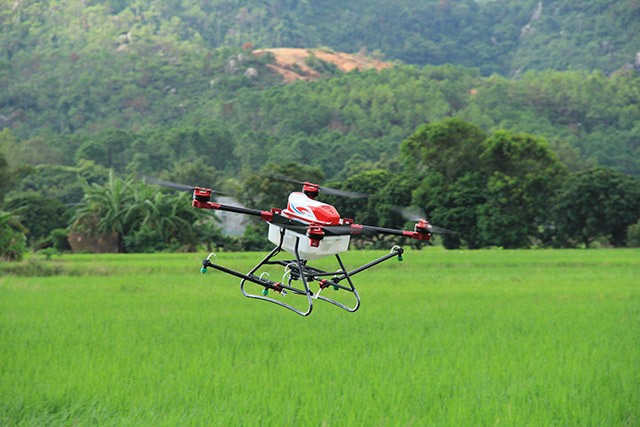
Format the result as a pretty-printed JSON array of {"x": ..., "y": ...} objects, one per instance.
[
  {"x": 306, "y": 209},
  {"x": 311, "y": 211}
]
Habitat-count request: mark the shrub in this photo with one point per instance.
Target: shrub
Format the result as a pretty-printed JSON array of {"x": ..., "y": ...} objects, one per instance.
[
  {"x": 633, "y": 235},
  {"x": 60, "y": 239},
  {"x": 13, "y": 241}
]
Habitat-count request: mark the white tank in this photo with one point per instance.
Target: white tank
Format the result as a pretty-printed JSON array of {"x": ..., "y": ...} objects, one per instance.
[{"x": 330, "y": 245}]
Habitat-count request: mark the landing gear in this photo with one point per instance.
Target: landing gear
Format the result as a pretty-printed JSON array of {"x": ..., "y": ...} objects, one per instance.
[{"x": 297, "y": 270}]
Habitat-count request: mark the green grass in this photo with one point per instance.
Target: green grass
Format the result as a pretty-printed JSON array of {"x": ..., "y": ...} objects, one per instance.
[{"x": 443, "y": 338}]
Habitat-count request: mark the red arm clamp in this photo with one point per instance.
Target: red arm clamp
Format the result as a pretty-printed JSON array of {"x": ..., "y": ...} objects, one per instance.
[
  {"x": 416, "y": 235},
  {"x": 201, "y": 199},
  {"x": 421, "y": 231}
]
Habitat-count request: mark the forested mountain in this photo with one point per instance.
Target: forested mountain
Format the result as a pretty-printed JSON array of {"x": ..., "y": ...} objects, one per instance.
[
  {"x": 67, "y": 66},
  {"x": 503, "y": 36},
  {"x": 174, "y": 89}
]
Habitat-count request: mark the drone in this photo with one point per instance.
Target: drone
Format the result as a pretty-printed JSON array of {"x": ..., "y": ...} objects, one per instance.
[{"x": 307, "y": 230}]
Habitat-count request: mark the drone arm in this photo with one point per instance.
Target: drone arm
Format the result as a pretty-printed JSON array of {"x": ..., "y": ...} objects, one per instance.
[
  {"x": 267, "y": 216},
  {"x": 404, "y": 233},
  {"x": 201, "y": 200},
  {"x": 355, "y": 229}
]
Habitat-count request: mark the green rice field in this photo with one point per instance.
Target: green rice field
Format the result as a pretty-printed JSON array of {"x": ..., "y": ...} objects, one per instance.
[{"x": 459, "y": 338}]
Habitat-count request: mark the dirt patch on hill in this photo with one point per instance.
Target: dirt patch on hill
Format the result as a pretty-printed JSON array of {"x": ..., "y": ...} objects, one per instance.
[{"x": 292, "y": 64}]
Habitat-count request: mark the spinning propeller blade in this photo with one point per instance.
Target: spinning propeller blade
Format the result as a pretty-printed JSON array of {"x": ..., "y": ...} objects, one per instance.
[
  {"x": 410, "y": 213},
  {"x": 342, "y": 193},
  {"x": 323, "y": 189},
  {"x": 175, "y": 185},
  {"x": 440, "y": 230},
  {"x": 344, "y": 230}
]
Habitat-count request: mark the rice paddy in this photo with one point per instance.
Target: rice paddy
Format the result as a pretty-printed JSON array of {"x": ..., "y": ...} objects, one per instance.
[{"x": 492, "y": 337}]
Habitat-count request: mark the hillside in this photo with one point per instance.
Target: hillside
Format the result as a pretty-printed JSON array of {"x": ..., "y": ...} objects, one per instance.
[
  {"x": 303, "y": 64},
  {"x": 159, "y": 80}
]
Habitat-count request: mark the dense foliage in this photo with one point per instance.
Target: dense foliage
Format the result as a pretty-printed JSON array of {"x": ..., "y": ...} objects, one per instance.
[
  {"x": 494, "y": 36},
  {"x": 596, "y": 202},
  {"x": 341, "y": 122},
  {"x": 144, "y": 218},
  {"x": 172, "y": 90},
  {"x": 12, "y": 237},
  {"x": 492, "y": 189}
]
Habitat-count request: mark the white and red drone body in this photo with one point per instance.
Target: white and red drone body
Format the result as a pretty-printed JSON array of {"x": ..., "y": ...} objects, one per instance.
[{"x": 308, "y": 230}]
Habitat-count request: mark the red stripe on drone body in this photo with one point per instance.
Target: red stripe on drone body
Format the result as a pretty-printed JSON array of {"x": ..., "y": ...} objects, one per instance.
[{"x": 293, "y": 215}]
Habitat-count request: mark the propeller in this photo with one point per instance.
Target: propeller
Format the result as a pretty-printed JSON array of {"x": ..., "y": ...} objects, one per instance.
[
  {"x": 414, "y": 214},
  {"x": 175, "y": 185},
  {"x": 439, "y": 230},
  {"x": 325, "y": 190}
]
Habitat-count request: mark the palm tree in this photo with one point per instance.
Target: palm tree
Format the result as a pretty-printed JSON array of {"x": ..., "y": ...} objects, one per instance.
[
  {"x": 144, "y": 218},
  {"x": 104, "y": 208},
  {"x": 169, "y": 216}
]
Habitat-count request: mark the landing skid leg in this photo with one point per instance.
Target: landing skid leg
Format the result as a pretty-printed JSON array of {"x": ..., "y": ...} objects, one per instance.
[
  {"x": 351, "y": 289},
  {"x": 299, "y": 270},
  {"x": 280, "y": 286}
]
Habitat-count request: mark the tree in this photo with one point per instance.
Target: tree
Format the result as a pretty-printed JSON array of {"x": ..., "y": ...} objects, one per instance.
[
  {"x": 160, "y": 221},
  {"x": 145, "y": 219},
  {"x": 194, "y": 172},
  {"x": 521, "y": 173},
  {"x": 60, "y": 182},
  {"x": 5, "y": 176},
  {"x": 454, "y": 205},
  {"x": 600, "y": 202},
  {"x": 395, "y": 194},
  {"x": 40, "y": 215},
  {"x": 12, "y": 237},
  {"x": 105, "y": 208},
  {"x": 492, "y": 191},
  {"x": 9, "y": 176},
  {"x": 362, "y": 210},
  {"x": 454, "y": 181},
  {"x": 633, "y": 235},
  {"x": 109, "y": 149},
  {"x": 450, "y": 148}
]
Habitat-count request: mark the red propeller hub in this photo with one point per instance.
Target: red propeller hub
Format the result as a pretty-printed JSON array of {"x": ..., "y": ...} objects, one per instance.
[
  {"x": 202, "y": 199},
  {"x": 201, "y": 194},
  {"x": 311, "y": 190},
  {"x": 422, "y": 226}
]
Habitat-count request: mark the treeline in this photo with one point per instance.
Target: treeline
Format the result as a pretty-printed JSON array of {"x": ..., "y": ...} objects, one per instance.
[{"x": 505, "y": 189}]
